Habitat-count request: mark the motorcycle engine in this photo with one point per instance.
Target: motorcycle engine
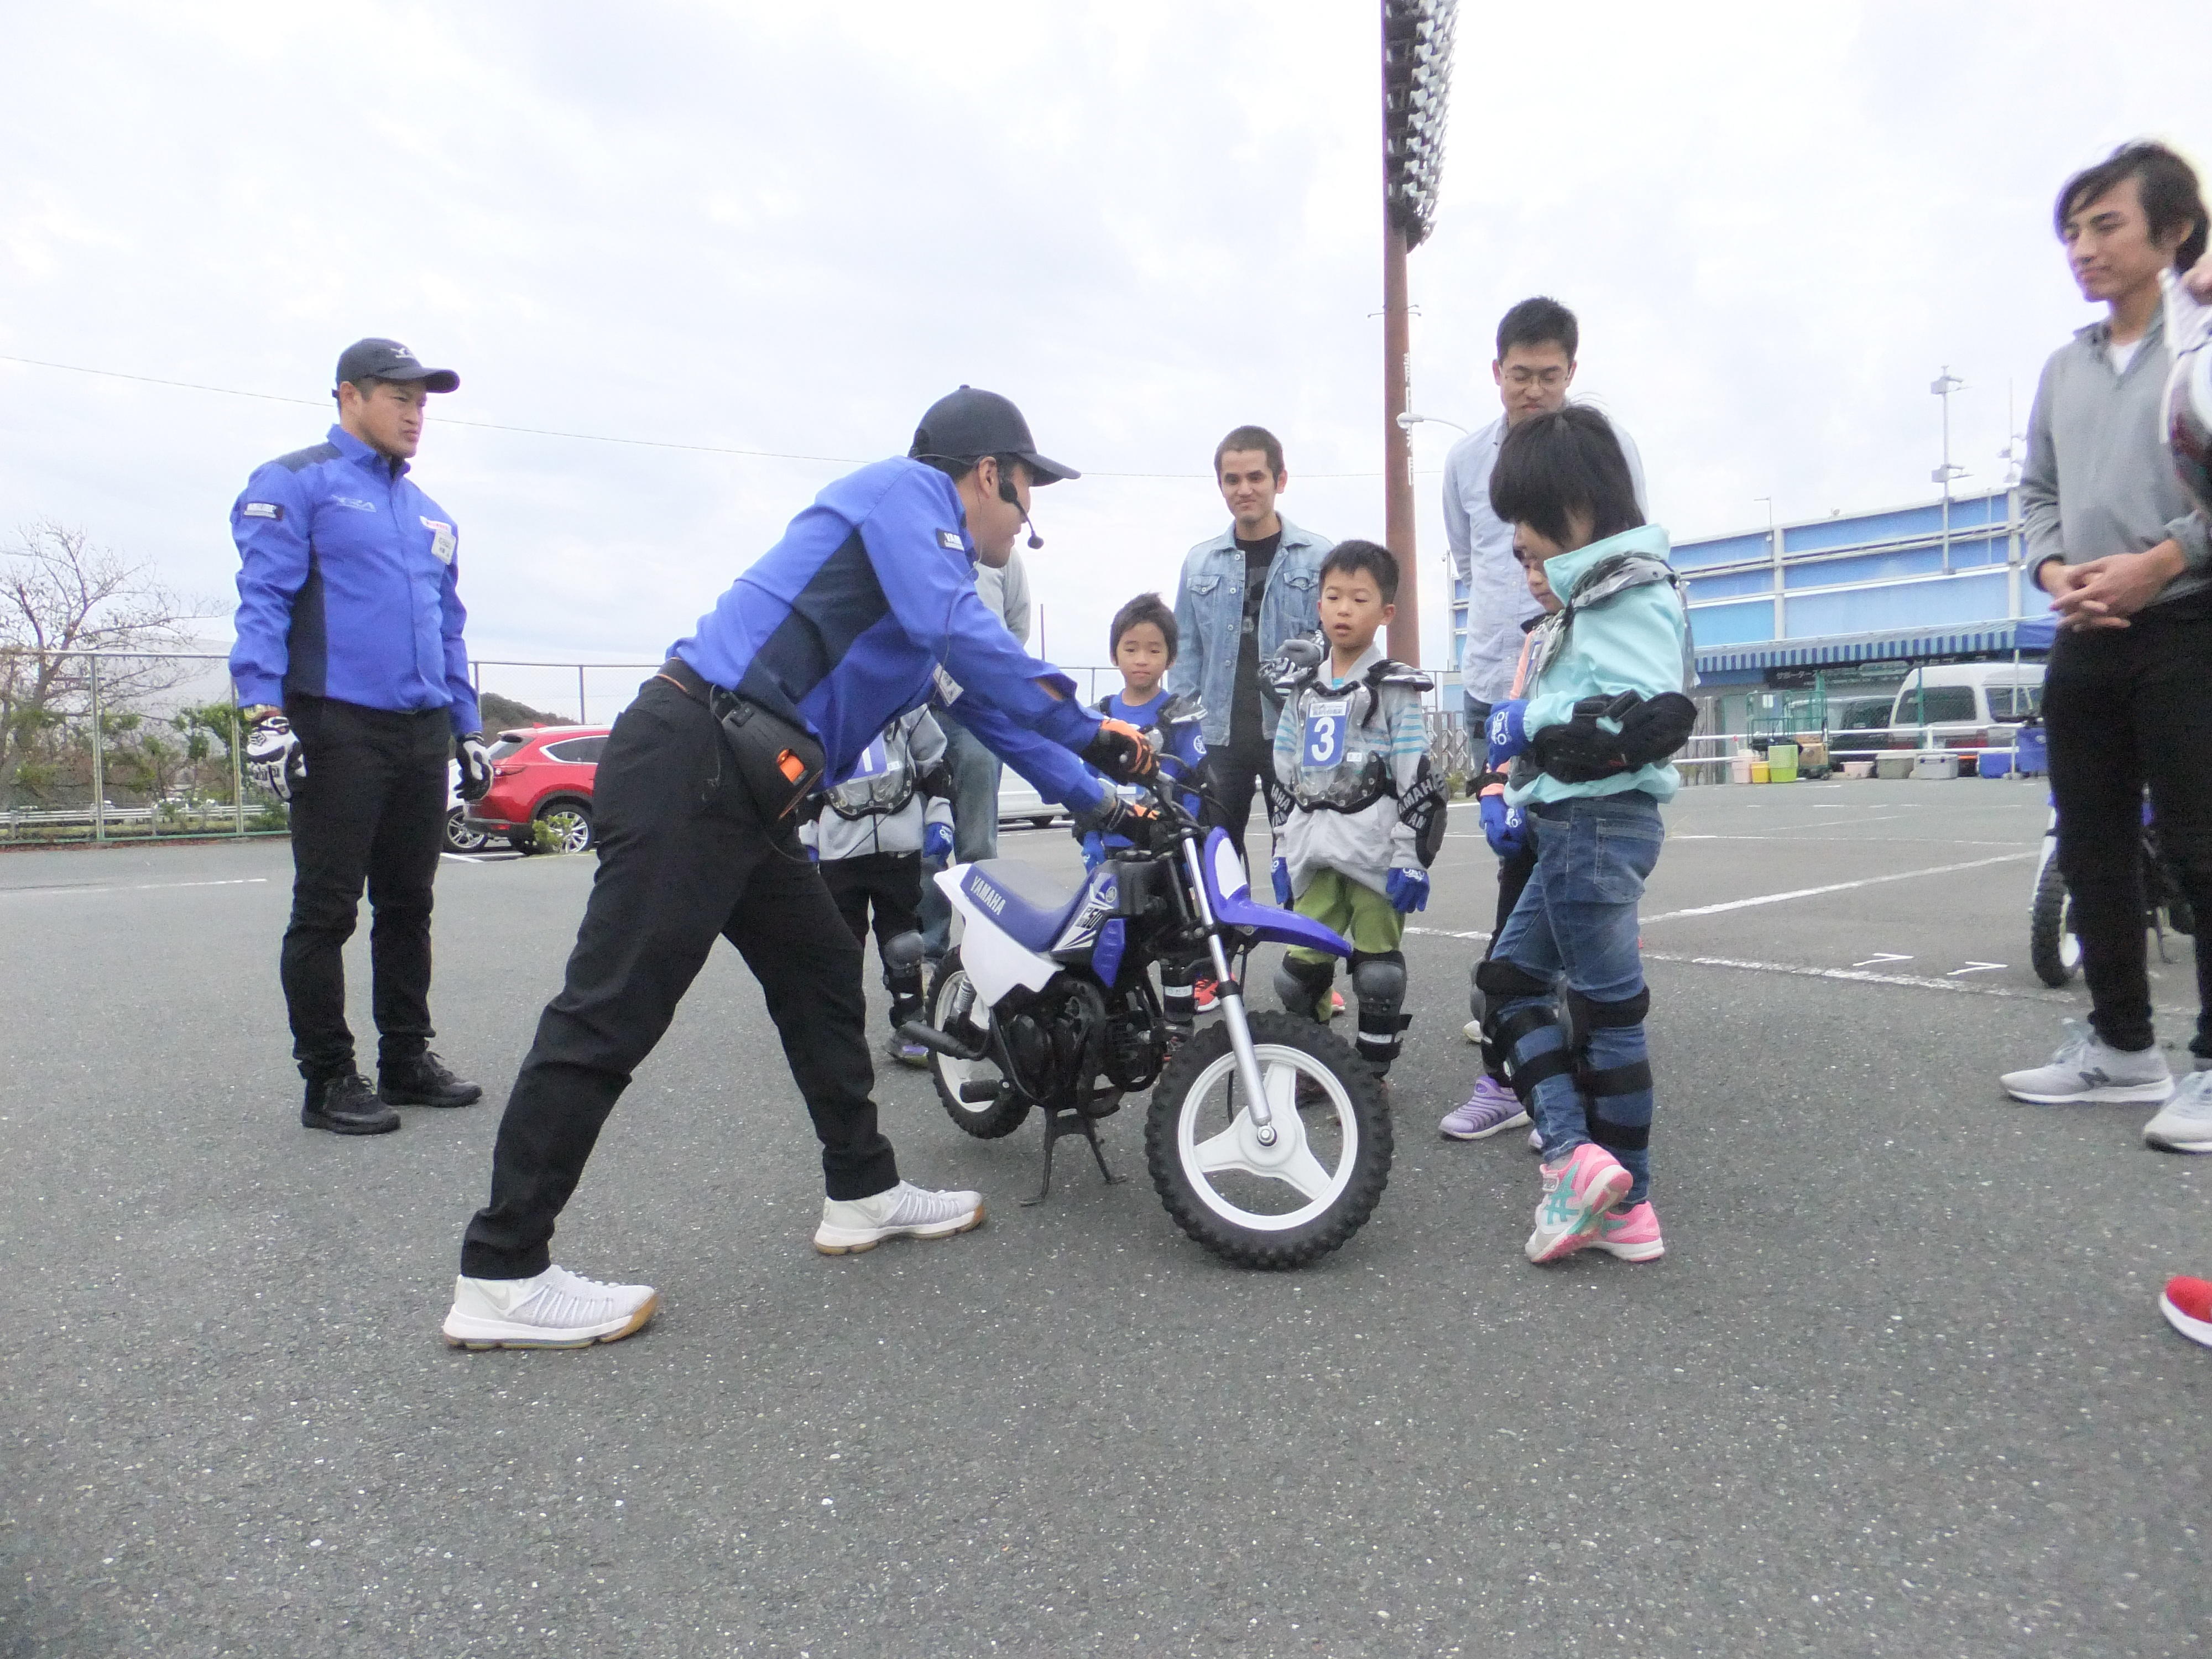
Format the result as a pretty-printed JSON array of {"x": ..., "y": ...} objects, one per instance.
[{"x": 1136, "y": 1038}]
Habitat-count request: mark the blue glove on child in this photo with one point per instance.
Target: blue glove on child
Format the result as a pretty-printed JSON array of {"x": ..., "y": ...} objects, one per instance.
[
  {"x": 1507, "y": 730},
  {"x": 1408, "y": 891},
  {"x": 1281, "y": 872},
  {"x": 1505, "y": 826},
  {"x": 1094, "y": 852},
  {"x": 937, "y": 841}
]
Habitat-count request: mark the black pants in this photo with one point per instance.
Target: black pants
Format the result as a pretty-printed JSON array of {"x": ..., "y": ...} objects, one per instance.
[
  {"x": 683, "y": 858},
  {"x": 2126, "y": 708},
  {"x": 371, "y": 809},
  {"x": 887, "y": 883},
  {"x": 1233, "y": 776}
]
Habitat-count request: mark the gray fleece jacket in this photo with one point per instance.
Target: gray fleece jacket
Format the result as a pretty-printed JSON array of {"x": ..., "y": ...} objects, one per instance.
[{"x": 2097, "y": 480}]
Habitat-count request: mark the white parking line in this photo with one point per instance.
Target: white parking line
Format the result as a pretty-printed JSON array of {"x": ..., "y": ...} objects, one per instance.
[
  {"x": 141, "y": 887},
  {"x": 1835, "y": 887},
  {"x": 1857, "y": 976}
]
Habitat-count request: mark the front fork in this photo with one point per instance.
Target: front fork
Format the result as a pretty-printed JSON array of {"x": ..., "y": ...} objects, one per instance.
[{"x": 1232, "y": 1002}]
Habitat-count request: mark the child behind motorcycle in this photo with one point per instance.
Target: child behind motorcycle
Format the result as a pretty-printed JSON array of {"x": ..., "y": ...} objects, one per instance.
[
  {"x": 870, "y": 834},
  {"x": 1355, "y": 804},
  {"x": 1588, "y": 749},
  {"x": 1142, "y": 640}
]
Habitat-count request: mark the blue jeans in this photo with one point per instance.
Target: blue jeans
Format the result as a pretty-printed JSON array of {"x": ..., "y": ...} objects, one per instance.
[
  {"x": 974, "y": 826},
  {"x": 1478, "y": 716},
  {"x": 1577, "y": 920}
]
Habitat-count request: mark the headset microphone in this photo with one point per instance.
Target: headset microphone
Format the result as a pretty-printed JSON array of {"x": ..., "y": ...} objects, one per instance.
[
  {"x": 1006, "y": 495},
  {"x": 1036, "y": 540}
]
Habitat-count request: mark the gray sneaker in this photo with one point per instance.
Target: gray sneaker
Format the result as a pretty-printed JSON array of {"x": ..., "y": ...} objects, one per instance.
[
  {"x": 2185, "y": 1124},
  {"x": 2086, "y": 1070}
]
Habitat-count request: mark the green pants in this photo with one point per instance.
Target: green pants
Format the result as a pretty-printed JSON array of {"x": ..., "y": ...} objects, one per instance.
[{"x": 1353, "y": 909}]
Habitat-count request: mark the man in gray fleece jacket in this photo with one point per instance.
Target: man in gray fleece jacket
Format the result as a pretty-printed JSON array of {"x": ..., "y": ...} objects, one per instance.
[{"x": 2128, "y": 697}]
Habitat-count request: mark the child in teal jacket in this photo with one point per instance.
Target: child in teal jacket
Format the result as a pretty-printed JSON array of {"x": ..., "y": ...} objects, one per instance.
[{"x": 1587, "y": 750}]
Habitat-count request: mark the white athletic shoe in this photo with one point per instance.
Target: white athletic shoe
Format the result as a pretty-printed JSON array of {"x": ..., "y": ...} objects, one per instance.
[
  {"x": 1535, "y": 1140},
  {"x": 2185, "y": 1123},
  {"x": 1473, "y": 1031},
  {"x": 852, "y": 1224},
  {"x": 555, "y": 1310},
  {"x": 2086, "y": 1070}
]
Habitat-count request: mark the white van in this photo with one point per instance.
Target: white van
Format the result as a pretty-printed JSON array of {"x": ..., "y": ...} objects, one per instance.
[{"x": 1965, "y": 705}]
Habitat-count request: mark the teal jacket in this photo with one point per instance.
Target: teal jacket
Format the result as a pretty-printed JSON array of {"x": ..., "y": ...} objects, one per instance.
[{"x": 1635, "y": 640}]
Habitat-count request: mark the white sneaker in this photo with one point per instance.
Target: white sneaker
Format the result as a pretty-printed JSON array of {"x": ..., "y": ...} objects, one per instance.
[
  {"x": 851, "y": 1224},
  {"x": 2185, "y": 1124},
  {"x": 2087, "y": 1069},
  {"x": 555, "y": 1310},
  {"x": 1535, "y": 1141},
  {"x": 1473, "y": 1031}
]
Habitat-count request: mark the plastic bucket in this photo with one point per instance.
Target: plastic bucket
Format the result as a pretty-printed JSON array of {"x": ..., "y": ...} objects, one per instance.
[
  {"x": 1995, "y": 763},
  {"x": 1760, "y": 772},
  {"x": 1781, "y": 762},
  {"x": 1740, "y": 765}
]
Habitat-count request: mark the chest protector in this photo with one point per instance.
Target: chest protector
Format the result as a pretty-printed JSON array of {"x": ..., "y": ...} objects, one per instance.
[
  {"x": 1343, "y": 736},
  {"x": 883, "y": 783}
]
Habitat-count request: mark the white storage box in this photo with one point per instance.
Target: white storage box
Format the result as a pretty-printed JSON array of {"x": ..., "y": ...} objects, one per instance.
[{"x": 1935, "y": 763}]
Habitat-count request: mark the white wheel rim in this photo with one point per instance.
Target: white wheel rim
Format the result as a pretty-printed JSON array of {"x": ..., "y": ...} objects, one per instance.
[
  {"x": 571, "y": 830},
  {"x": 1236, "y": 1149},
  {"x": 954, "y": 1072}
]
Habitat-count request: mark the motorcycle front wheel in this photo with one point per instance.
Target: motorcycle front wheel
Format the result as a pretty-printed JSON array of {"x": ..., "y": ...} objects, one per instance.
[
  {"x": 1260, "y": 1206},
  {"x": 999, "y": 1114}
]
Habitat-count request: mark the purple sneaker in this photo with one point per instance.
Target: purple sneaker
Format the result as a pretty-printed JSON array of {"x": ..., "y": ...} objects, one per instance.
[{"x": 1491, "y": 1107}]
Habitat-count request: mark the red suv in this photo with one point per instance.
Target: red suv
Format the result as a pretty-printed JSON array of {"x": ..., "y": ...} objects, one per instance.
[{"x": 542, "y": 776}]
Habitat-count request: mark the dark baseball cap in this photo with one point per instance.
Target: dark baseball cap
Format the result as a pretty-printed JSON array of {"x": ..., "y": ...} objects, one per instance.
[
  {"x": 967, "y": 425},
  {"x": 388, "y": 360}
]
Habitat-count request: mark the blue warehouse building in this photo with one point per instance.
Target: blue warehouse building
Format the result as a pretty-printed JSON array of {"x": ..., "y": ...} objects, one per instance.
[{"x": 1852, "y": 601}]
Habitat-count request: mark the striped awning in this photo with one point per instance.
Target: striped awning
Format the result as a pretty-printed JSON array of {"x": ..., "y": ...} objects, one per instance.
[{"x": 1898, "y": 644}]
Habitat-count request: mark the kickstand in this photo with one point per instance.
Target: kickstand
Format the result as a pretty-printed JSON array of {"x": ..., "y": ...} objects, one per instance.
[{"x": 1066, "y": 1121}]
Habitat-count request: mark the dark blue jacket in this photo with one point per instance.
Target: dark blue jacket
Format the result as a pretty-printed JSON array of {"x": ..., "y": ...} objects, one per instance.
[
  {"x": 866, "y": 605},
  {"x": 347, "y": 586}
]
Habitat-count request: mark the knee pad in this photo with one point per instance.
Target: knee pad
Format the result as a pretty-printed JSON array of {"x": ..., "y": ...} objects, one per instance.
[
  {"x": 1303, "y": 984},
  {"x": 1500, "y": 980},
  {"x": 1523, "y": 1063},
  {"x": 1379, "y": 982},
  {"x": 902, "y": 974},
  {"x": 1617, "y": 1098}
]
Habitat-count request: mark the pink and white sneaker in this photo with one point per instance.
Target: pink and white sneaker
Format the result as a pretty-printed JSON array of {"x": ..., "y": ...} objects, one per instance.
[
  {"x": 1578, "y": 1189},
  {"x": 2187, "y": 1305},
  {"x": 1630, "y": 1233}
]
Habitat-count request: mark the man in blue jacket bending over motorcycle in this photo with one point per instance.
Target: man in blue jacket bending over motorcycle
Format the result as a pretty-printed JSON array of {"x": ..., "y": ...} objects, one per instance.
[{"x": 866, "y": 605}]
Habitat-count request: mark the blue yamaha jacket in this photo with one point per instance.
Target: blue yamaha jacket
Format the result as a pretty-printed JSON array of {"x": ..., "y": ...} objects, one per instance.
[
  {"x": 347, "y": 586},
  {"x": 866, "y": 605}
]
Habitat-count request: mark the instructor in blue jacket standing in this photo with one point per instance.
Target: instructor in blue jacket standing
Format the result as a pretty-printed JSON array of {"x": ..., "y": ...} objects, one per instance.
[
  {"x": 866, "y": 608},
  {"x": 354, "y": 682}
]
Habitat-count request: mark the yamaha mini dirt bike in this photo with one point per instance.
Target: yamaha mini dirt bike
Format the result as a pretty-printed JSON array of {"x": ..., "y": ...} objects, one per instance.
[
  {"x": 2053, "y": 947},
  {"x": 1267, "y": 1138}
]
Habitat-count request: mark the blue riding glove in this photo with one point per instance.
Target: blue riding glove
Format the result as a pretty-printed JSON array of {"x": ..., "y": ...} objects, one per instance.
[
  {"x": 937, "y": 841},
  {"x": 1408, "y": 891},
  {"x": 1094, "y": 852},
  {"x": 1507, "y": 730},
  {"x": 1281, "y": 872},
  {"x": 1505, "y": 827}
]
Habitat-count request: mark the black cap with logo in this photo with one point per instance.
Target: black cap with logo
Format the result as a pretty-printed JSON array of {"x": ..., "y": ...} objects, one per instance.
[
  {"x": 967, "y": 425},
  {"x": 388, "y": 360}
]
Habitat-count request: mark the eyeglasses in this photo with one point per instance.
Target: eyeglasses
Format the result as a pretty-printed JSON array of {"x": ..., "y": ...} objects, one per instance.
[{"x": 1522, "y": 378}]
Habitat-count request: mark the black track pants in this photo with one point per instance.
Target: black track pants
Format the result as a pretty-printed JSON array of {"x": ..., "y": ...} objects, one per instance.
[
  {"x": 2125, "y": 707},
  {"x": 371, "y": 810},
  {"x": 682, "y": 859}
]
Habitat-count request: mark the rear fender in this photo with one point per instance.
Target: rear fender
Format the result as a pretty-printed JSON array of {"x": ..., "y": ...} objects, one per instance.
[{"x": 995, "y": 962}]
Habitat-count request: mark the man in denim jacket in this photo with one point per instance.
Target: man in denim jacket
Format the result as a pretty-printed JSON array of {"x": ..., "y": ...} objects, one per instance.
[{"x": 1242, "y": 594}]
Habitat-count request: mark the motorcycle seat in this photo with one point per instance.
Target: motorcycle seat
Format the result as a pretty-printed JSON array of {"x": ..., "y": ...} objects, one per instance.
[{"x": 1027, "y": 904}]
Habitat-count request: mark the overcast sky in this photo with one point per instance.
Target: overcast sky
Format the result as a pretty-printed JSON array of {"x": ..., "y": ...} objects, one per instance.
[{"x": 789, "y": 227}]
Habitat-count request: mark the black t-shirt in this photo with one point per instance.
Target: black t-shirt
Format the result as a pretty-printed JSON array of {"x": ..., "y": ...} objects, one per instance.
[{"x": 1245, "y": 731}]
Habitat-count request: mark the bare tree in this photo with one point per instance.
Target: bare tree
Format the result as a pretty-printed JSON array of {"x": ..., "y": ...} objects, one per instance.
[{"x": 61, "y": 596}]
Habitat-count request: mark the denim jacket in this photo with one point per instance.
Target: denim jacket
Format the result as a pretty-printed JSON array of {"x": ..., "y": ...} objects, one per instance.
[{"x": 1210, "y": 614}]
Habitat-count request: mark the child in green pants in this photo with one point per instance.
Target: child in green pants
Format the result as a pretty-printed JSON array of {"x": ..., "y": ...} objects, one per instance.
[{"x": 1357, "y": 811}]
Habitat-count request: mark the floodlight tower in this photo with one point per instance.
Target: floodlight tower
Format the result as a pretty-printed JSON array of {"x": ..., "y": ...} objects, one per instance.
[{"x": 1417, "y": 44}]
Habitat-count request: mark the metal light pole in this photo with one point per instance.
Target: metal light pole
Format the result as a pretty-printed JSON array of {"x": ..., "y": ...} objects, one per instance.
[
  {"x": 1943, "y": 386},
  {"x": 1417, "y": 41}
]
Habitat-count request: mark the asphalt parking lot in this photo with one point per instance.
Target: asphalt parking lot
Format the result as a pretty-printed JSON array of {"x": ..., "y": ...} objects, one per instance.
[{"x": 1899, "y": 1386}]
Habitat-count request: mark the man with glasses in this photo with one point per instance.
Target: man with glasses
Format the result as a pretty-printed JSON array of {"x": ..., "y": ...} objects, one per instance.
[{"x": 1534, "y": 367}]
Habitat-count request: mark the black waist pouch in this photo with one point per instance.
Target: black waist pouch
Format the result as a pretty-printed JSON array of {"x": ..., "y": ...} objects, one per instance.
[{"x": 778, "y": 762}]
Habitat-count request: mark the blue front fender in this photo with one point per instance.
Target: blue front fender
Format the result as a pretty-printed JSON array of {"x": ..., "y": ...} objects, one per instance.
[{"x": 1230, "y": 892}]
